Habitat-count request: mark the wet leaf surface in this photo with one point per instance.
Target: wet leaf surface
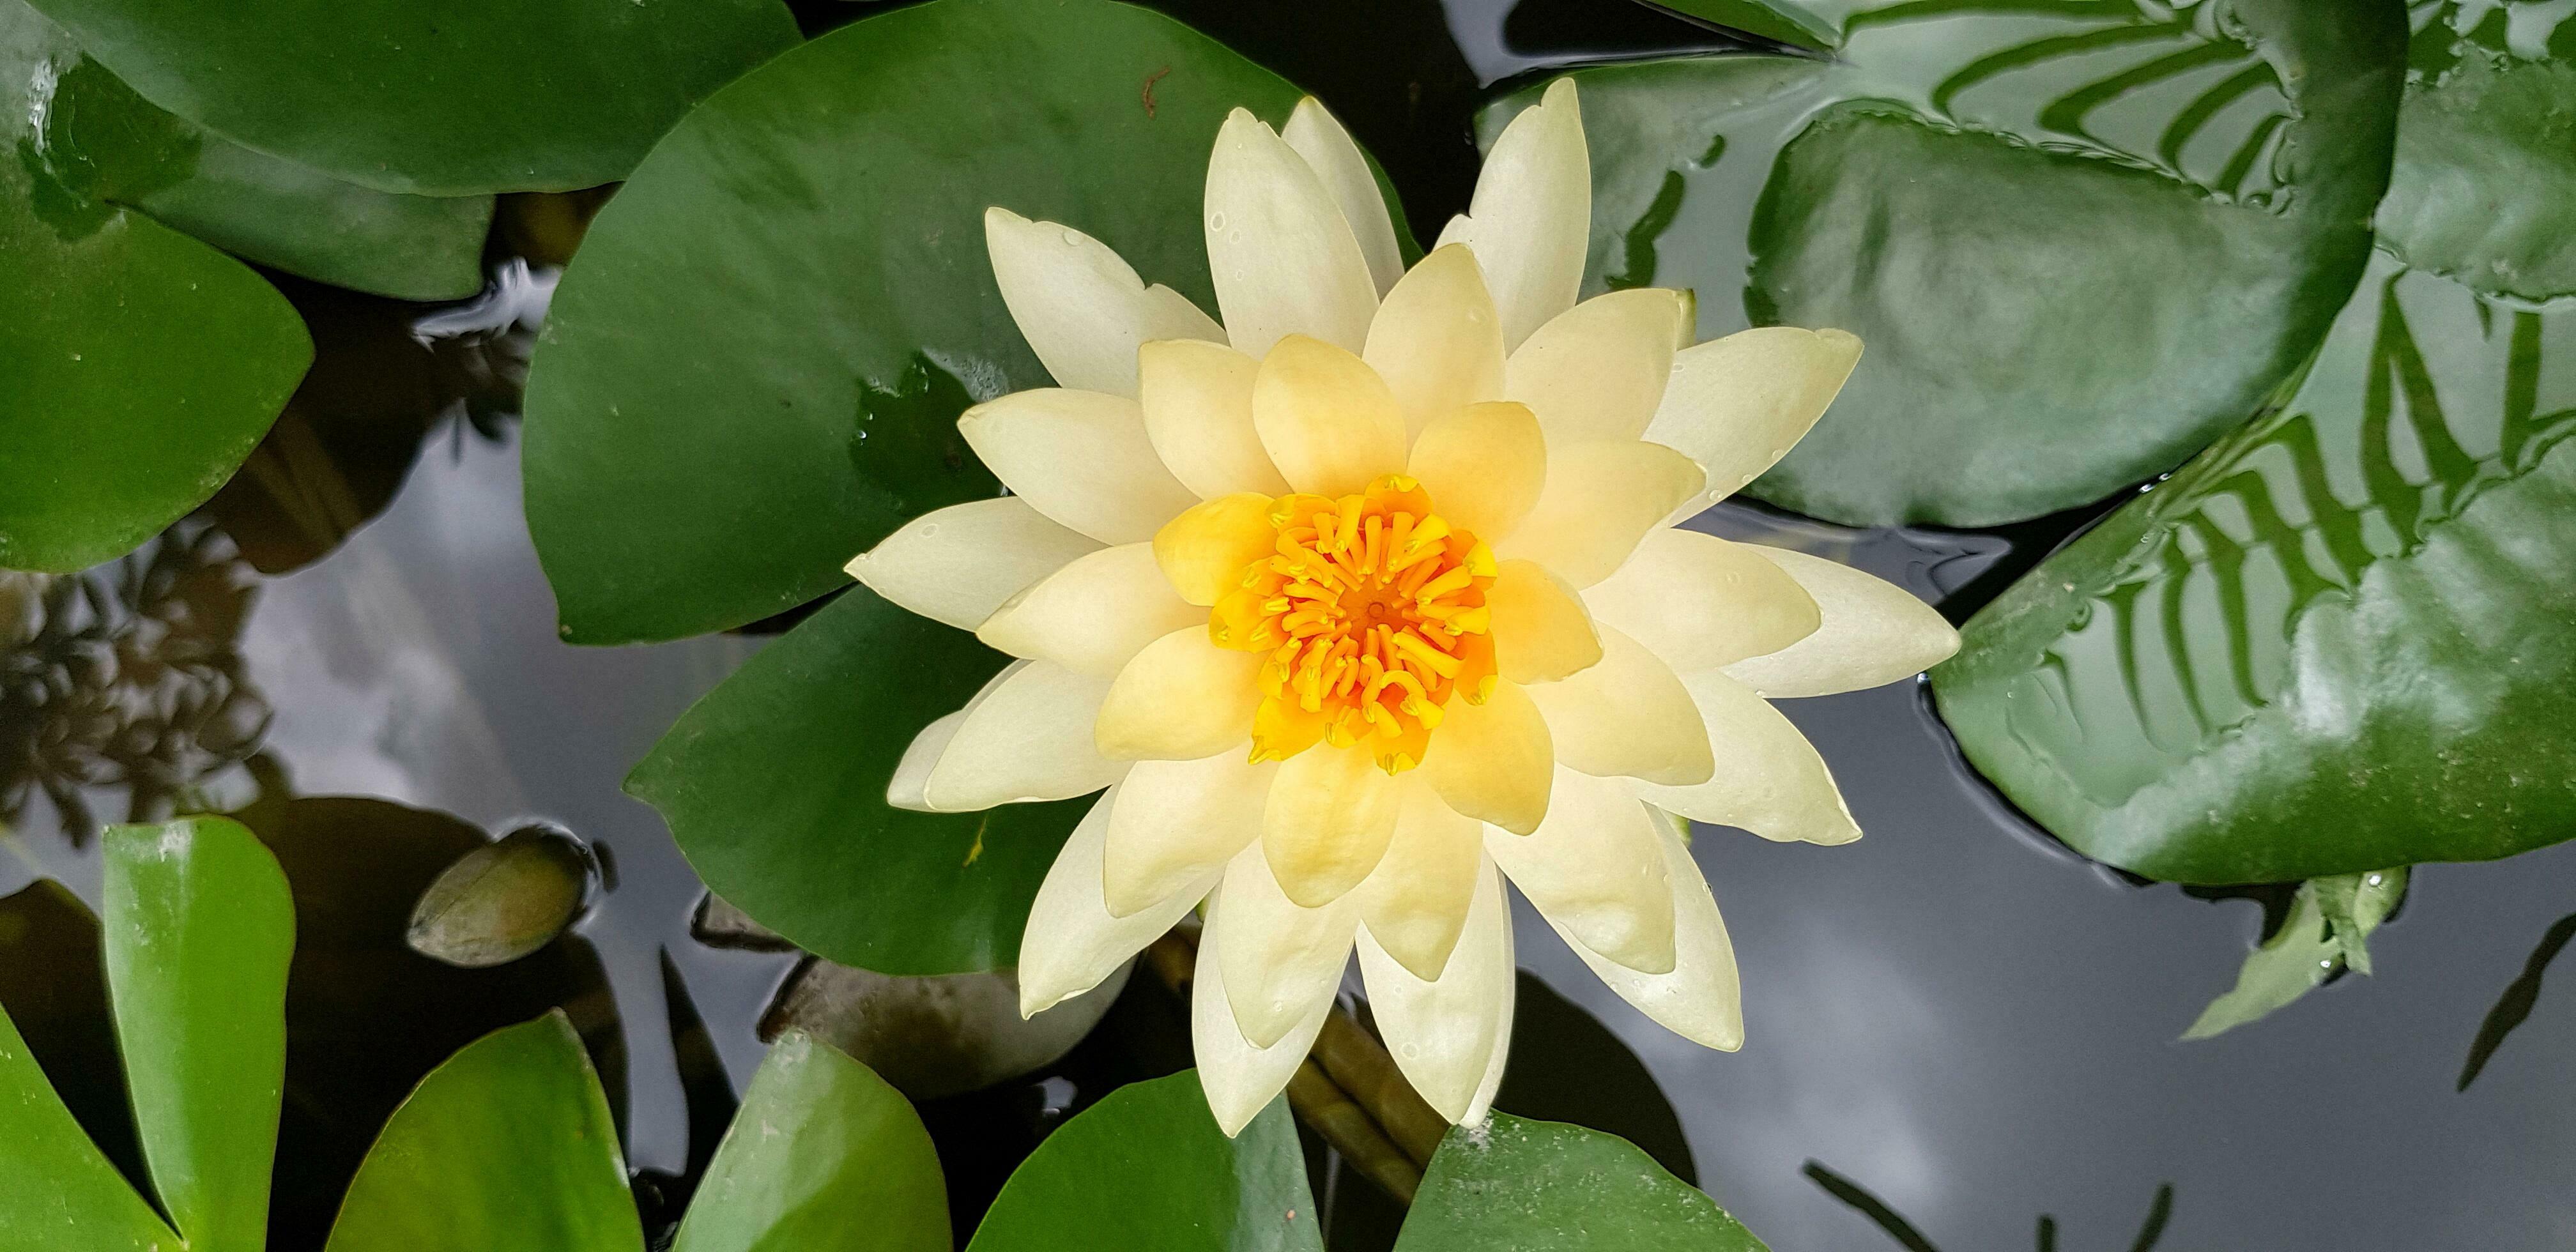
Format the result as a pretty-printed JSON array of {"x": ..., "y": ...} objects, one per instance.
[{"x": 1542, "y": 1186}]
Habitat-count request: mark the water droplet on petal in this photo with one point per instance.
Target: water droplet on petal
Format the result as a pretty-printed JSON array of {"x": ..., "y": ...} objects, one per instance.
[{"x": 1216, "y": 221}]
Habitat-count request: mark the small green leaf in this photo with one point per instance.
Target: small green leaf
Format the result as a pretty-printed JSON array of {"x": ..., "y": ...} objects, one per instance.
[
  {"x": 508, "y": 1147},
  {"x": 2491, "y": 120},
  {"x": 503, "y": 900},
  {"x": 823, "y": 1157},
  {"x": 1549, "y": 1187},
  {"x": 63, "y": 1195},
  {"x": 468, "y": 97},
  {"x": 1147, "y": 1170},
  {"x": 774, "y": 785},
  {"x": 2354, "y": 905},
  {"x": 2296, "y": 958}
]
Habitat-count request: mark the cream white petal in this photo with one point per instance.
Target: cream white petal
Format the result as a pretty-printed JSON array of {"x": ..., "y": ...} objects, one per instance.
[
  {"x": 1443, "y": 1033},
  {"x": 1326, "y": 418},
  {"x": 1629, "y": 715},
  {"x": 1699, "y": 998},
  {"x": 1197, "y": 399},
  {"x": 1094, "y": 615},
  {"x": 958, "y": 564},
  {"x": 1281, "y": 958},
  {"x": 1284, "y": 260},
  {"x": 1239, "y": 1079},
  {"x": 1335, "y": 157},
  {"x": 1484, "y": 466},
  {"x": 1081, "y": 307},
  {"x": 1872, "y": 632},
  {"x": 1737, "y": 405},
  {"x": 1774, "y": 784},
  {"x": 1593, "y": 869},
  {"x": 1480, "y": 1109},
  {"x": 1416, "y": 900},
  {"x": 1203, "y": 552},
  {"x": 1493, "y": 761},
  {"x": 1073, "y": 941},
  {"x": 1600, "y": 499},
  {"x": 1437, "y": 341},
  {"x": 1530, "y": 220},
  {"x": 1597, "y": 370},
  {"x": 912, "y": 771},
  {"x": 1179, "y": 821},
  {"x": 1700, "y": 602},
  {"x": 1328, "y": 821},
  {"x": 1026, "y": 738},
  {"x": 1181, "y": 699},
  {"x": 1081, "y": 458}
]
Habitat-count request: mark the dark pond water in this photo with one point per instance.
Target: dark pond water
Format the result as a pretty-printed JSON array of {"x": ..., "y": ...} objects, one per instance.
[{"x": 1955, "y": 1014}]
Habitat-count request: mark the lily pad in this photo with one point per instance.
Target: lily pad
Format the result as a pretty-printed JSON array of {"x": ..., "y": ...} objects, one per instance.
[
  {"x": 1147, "y": 1170},
  {"x": 774, "y": 785},
  {"x": 2337, "y": 640},
  {"x": 455, "y": 99},
  {"x": 1549, "y": 1187},
  {"x": 142, "y": 365},
  {"x": 1996, "y": 196},
  {"x": 752, "y": 368}
]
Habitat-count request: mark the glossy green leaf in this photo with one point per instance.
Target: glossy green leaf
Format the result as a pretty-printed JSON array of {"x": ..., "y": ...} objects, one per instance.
[
  {"x": 774, "y": 784},
  {"x": 2328, "y": 929},
  {"x": 2336, "y": 641},
  {"x": 199, "y": 928},
  {"x": 1147, "y": 1170},
  {"x": 2490, "y": 112},
  {"x": 1536, "y": 1186},
  {"x": 508, "y": 1147},
  {"x": 822, "y": 1157},
  {"x": 1996, "y": 196},
  {"x": 462, "y": 98},
  {"x": 751, "y": 371},
  {"x": 1771, "y": 19},
  {"x": 63, "y": 1195},
  {"x": 141, "y": 366}
]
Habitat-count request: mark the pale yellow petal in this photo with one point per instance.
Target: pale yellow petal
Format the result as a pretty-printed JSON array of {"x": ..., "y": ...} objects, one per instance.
[
  {"x": 1182, "y": 698},
  {"x": 1774, "y": 783},
  {"x": 1239, "y": 1079},
  {"x": 1436, "y": 340},
  {"x": 1082, "y": 309},
  {"x": 1284, "y": 260},
  {"x": 1873, "y": 632},
  {"x": 1597, "y": 370},
  {"x": 1737, "y": 405},
  {"x": 1335, "y": 157},
  {"x": 1629, "y": 715},
  {"x": 1179, "y": 821},
  {"x": 1094, "y": 615},
  {"x": 1600, "y": 499},
  {"x": 1326, "y": 419},
  {"x": 1330, "y": 815},
  {"x": 1493, "y": 761},
  {"x": 1197, "y": 399},
  {"x": 1593, "y": 869},
  {"x": 1443, "y": 1032},
  {"x": 1026, "y": 738},
  {"x": 1541, "y": 631},
  {"x": 1484, "y": 466},
  {"x": 1699, "y": 998},
  {"x": 1280, "y": 957},
  {"x": 1480, "y": 1109},
  {"x": 958, "y": 564},
  {"x": 1530, "y": 221},
  {"x": 1700, "y": 602},
  {"x": 1081, "y": 458},
  {"x": 1416, "y": 900},
  {"x": 1073, "y": 942},
  {"x": 1203, "y": 552},
  {"x": 912, "y": 771}
]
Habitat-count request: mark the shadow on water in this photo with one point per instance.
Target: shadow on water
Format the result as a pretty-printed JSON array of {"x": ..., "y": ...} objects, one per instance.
[{"x": 1906, "y": 1236}]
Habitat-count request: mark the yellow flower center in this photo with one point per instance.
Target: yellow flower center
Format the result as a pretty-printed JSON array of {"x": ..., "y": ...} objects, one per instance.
[{"x": 1372, "y": 610}]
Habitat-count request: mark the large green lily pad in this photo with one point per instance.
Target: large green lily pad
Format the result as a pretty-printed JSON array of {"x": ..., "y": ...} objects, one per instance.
[
  {"x": 141, "y": 365},
  {"x": 458, "y": 98},
  {"x": 1998, "y": 197},
  {"x": 2338, "y": 640},
  {"x": 751, "y": 370},
  {"x": 1549, "y": 1187},
  {"x": 774, "y": 784}
]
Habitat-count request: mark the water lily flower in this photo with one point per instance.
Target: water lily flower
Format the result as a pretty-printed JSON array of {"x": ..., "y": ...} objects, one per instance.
[{"x": 1368, "y": 599}]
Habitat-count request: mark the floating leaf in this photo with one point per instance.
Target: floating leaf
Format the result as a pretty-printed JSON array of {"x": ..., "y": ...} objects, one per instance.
[
  {"x": 470, "y": 97},
  {"x": 2335, "y": 641},
  {"x": 1147, "y": 1170},
  {"x": 142, "y": 365},
  {"x": 1545, "y": 1186},
  {"x": 503, "y": 900},
  {"x": 2514, "y": 1005},
  {"x": 752, "y": 370},
  {"x": 2328, "y": 928},
  {"x": 774, "y": 785},
  {"x": 2489, "y": 115},
  {"x": 1780, "y": 22},
  {"x": 1996, "y": 195}
]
